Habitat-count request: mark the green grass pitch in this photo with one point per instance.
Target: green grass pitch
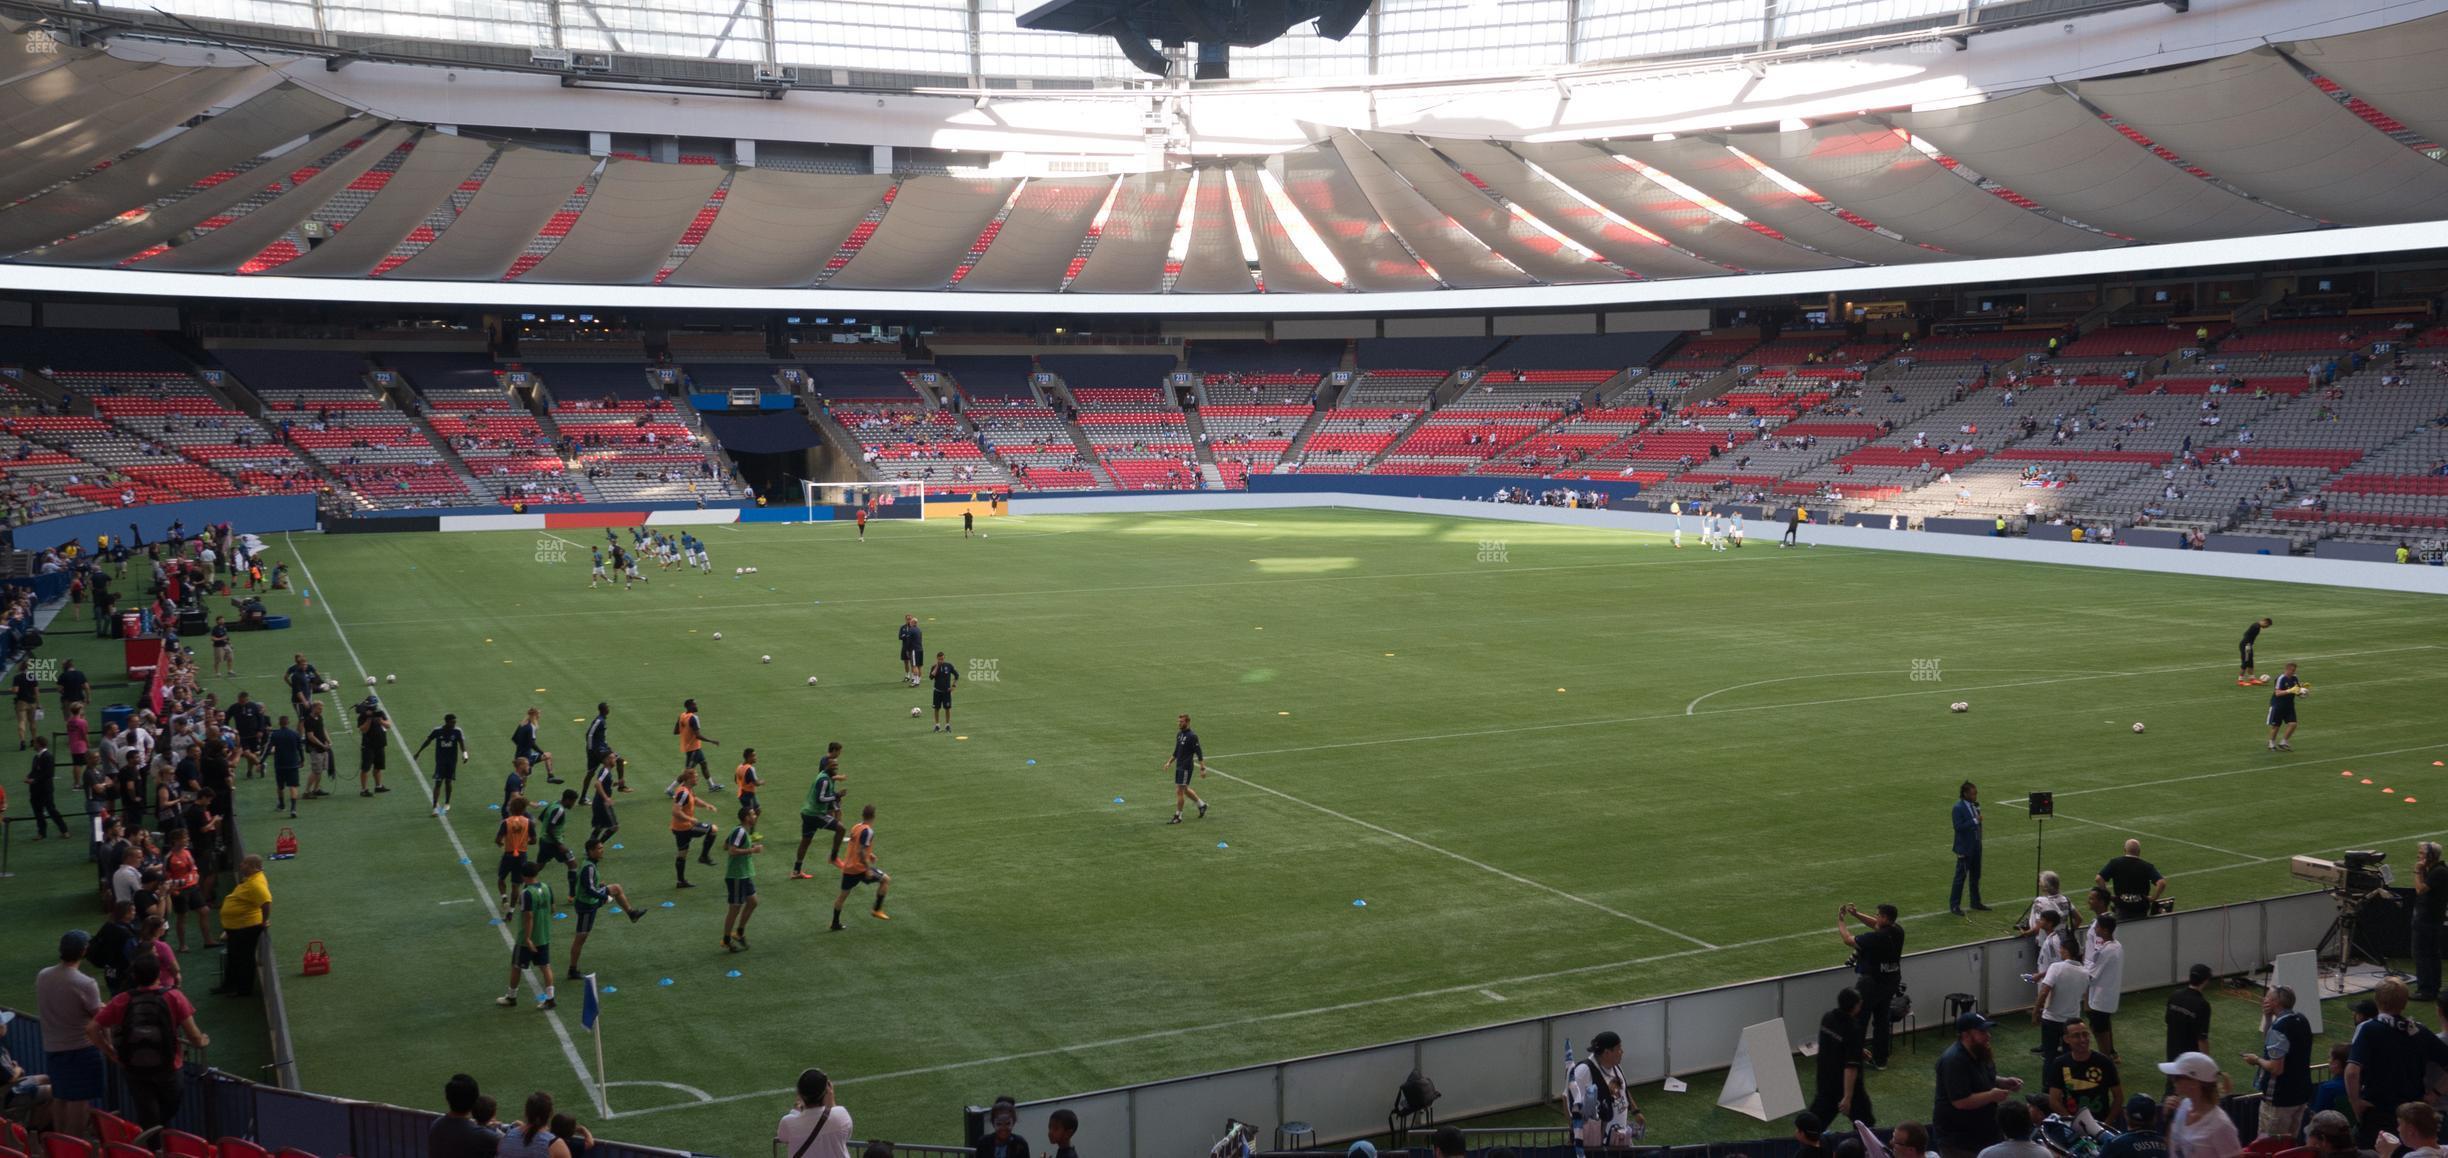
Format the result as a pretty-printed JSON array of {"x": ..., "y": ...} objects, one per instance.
[{"x": 1562, "y": 766}]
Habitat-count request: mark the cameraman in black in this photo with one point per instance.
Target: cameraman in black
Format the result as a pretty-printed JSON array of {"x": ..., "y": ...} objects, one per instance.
[{"x": 1878, "y": 958}]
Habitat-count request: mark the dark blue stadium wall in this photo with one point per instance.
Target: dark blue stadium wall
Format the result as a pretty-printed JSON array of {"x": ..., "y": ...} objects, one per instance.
[{"x": 262, "y": 515}]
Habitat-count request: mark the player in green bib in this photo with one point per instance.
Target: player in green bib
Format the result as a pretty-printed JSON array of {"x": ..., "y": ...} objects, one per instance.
[
  {"x": 739, "y": 879},
  {"x": 549, "y": 841},
  {"x": 533, "y": 939},
  {"x": 821, "y": 810}
]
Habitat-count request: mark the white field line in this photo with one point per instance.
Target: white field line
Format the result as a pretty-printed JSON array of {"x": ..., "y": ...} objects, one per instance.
[
  {"x": 2244, "y": 856},
  {"x": 1606, "y": 721},
  {"x": 2246, "y": 771},
  {"x": 1450, "y": 854},
  {"x": 1471, "y": 987},
  {"x": 1696, "y": 701},
  {"x": 484, "y": 894}
]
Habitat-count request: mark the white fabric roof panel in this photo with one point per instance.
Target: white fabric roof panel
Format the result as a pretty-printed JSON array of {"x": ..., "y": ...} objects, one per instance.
[
  {"x": 100, "y": 111},
  {"x": 1864, "y": 167},
  {"x": 118, "y": 242},
  {"x": 1603, "y": 177},
  {"x": 1211, "y": 258},
  {"x": 2046, "y": 146},
  {"x": 930, "y": 227},
  {"x": 1452, "y": 194},
  {"x": 630, "y": 224},
  {"x": 1567, "y": 215},
  {"x": 1708, "y": 167},
  {"x": 778, "y": 228},
  {"x": 18, "y": 59},
  {"x": 1281, "y": 266},
  {"x": 225, "y": 249},
  {"x": 1129, "y": 256},
  {"x": 1039, "y": 237},
  {"x": 2396, "y": 68},
  {"x": 1322, "y": 190},
  {"x": 1458, "y": 256},
  {"x": 275, "y": 118},
  {"x": 2261, "y": 127},
  {"x": 436, "y": 164},
  {"x": 524, "y": 190}
]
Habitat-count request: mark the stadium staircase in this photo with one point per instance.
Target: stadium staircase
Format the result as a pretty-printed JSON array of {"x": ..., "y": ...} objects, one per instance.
[{"x": 1328, "y": 393}]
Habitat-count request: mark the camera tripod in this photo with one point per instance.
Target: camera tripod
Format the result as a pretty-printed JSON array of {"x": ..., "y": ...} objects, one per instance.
[{"x": 2341, "y": 936}]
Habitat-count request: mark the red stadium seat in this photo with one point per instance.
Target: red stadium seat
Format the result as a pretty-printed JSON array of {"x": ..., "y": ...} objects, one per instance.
[{"x": 112, "y": 1128}]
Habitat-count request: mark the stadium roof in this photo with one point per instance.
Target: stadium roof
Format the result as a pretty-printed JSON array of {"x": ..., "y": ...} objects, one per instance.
[{"x": 111, "y": 171}]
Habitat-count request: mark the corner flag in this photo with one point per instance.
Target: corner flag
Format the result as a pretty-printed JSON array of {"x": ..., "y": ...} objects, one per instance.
[{"x": 588, "y": 1012}]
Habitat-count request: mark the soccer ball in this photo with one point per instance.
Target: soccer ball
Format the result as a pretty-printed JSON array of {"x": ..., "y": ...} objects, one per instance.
[
  {"x": 739, "y": 570},
  {"x": 811, "y": 681},
  {"x": 914, "y": 713},
  {"x": 718, "y": 635},
  {"x": 369, "y": 681},
  {"x": 752, "y": 570},
  {"x": 391, "y": 679},
  {"x": 1960, "y": 706},
  {"x": 2137, "y": 726},
  {"x": 331, "y": 685},
  {"x": 764, "y": 659}
]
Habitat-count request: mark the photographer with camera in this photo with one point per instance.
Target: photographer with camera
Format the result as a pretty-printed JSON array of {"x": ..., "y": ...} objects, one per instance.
[{"x": 1878, "y": 959}]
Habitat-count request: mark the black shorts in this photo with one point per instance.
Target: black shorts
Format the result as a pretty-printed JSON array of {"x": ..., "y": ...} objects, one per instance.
[
  {"x": 285, "y": 777},
  {"x": 539, "y": 957},
  {"x": 694, "y": 759},
  {"x": 853, "y": 880},
  {"x": 595, "y": 759},
  {"x": 943, "y": 699},
  {"x": 1181, "y": 777},
  {"x": 586, "y": 919},
  {"x": 552, "y": 851},
  {"x": 912, "y": 658},
  {"x": 737, "y": 890},
  {"x": 682, "y": 836},
  {"x": 748, "y": 799},
  {"x": 2282, "y": 711},
  {"x": 2100, "y": 1021},
  {"x": 2245, "y": 650},
  {"x": 446, "y": 772},
  {"x": 811, "y": 825},
  {"x": 513, "y": 865},
  {"x": 533, "y": 756},
  {"x": 603, "y": 812},
  {"x": 373, "y": 758}
]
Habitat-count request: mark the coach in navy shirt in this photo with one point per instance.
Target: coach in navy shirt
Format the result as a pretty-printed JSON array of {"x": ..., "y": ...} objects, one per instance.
[{"x": 1967, "y": 849}]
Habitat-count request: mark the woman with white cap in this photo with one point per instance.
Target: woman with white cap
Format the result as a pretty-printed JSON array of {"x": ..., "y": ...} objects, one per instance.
[{"x": 2198, "y": 1127}]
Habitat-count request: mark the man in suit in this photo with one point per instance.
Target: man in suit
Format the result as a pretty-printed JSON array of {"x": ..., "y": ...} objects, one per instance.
[{"x": 1967, "y": 849}]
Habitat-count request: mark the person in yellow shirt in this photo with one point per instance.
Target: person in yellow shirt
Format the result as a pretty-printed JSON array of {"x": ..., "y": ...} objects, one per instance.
[{"x": 245, "y": 913}]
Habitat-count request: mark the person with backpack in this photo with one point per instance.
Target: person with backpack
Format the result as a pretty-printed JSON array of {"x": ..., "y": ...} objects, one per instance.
[
  {"x": 1604, "y": 1113},
  {"x": 139, "y": 1031}
]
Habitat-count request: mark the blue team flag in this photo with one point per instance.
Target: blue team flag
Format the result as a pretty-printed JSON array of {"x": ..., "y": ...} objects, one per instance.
[{"x": 588, "y": 1011}]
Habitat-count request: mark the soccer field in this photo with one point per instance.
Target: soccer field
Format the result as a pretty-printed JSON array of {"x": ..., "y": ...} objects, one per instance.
[{"x": 1562, "y": 767}]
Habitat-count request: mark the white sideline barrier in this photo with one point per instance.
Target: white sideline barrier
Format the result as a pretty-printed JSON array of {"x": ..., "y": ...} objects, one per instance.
[
  {"x": 2207, "y": 564},
  {"x": 1489, "y": 1069}
]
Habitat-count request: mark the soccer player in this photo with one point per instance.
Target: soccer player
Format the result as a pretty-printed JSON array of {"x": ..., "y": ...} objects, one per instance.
[
  {"x": 2252, "y": 632},
  {"x": 944, "y": 675},
  {"x": 589, "y": 895},
  {"x": 1186, "y": 754},
  {"x": 514, "y": 784},
  {"x": 596, "y": 575},
  {"x": 604, "y": 823},
  {"x": 685, "y": 826},
  {"x": 552, "y": 842},
  {"x": 745, "y": 778},
  {"x": 599, "y": 747},
  {"x": 1675, "y": 508},
  {"x": 705, "y": 559},
  {"x": 631, "y": 573},
  {"x": 2282, "y": 709},
  {"x": 739, "y": 879},
  {"x": 524, "y": 742},
  {"x": 968, "y": 520},
  {"x": 1793, "y": 527},
  {"x": 449, "y": 744},
  {"x": 303, "y": 680},
  {"x": 1735, "y": 529},
  {"x": 858, "y": 867},
  {"x": 511, "y": 837},
  {"x": 820, "y": 811},
  {"x": 862, "y": 523},
  {"x": 693, "y": 741},
  {"x": 913, "y": 648},
  {"x": 288, "y": 754},
  {"x": 534, "y": 940},
  {"x": 373, "y": 745},
  {"x": 224, "y": 660}
]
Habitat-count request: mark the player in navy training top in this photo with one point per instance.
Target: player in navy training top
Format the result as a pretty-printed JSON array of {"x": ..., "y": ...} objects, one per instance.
[
  {"x": 2282, "y": 709},
  {"x": 913, "y": 649},
  {"x": 944, "y": 675},
  {"x": 2252, "y": 631},
  {"x": 449, "y": 744},
  {"x": 1186, "y": 755}
]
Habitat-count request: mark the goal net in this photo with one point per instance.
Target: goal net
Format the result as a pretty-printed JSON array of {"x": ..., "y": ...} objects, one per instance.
[{"x": 896, "y": 499}]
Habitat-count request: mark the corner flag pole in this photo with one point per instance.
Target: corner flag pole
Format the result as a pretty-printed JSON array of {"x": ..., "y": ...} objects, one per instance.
[{"x": 592, "y": 1015}]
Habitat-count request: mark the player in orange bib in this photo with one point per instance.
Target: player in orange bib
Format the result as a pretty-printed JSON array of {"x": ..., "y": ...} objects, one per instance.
[
  {"x": 857, "y": 863},
  {"x": 512, "y": 837},
  {"x": 685, "y": 826},
  {"x": 693, "y": 741}
]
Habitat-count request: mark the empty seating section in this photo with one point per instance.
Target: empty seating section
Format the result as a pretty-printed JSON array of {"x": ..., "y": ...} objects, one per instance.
[
  {"x": 2323, "y": 336},
  {"x": 1347, "y": 438},
  {"x": 1130, "y": 421},
  {"x": 1708, "y": 353},
  {"x": 1252, "y": 436},
  {"x": 1261, "y": 387},
  {"x": 161, "y": 435}
]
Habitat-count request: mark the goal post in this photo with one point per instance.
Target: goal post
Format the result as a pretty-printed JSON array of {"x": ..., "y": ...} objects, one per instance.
[{"x": 891, "y": 499}]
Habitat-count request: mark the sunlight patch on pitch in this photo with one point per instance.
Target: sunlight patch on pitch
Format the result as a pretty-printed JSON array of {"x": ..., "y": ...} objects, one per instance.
[{"x": 1306, "y": 564}]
